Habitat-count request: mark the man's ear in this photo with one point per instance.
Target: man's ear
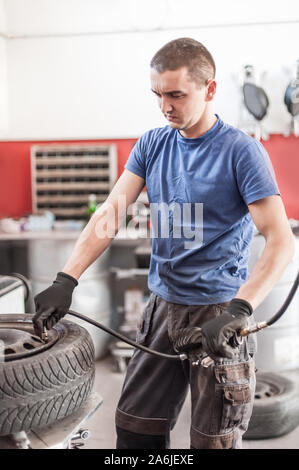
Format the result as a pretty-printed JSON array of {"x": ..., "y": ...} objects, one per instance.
[{"x": 211, "y": 89}]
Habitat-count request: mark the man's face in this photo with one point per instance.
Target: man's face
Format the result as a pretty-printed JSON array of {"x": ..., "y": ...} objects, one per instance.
[{"x": 180, "y": 99}]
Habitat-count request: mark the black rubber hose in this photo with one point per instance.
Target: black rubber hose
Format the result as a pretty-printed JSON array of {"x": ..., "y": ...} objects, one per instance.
[
  {"x": 286, "y": 302},
  {"x": 125, "y": 339},
  {"x": 26, "y": 282},
  {"x": 181, "y": 356}
]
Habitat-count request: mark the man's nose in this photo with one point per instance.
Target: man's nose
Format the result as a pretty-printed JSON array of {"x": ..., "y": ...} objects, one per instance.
[{"x": 165, "y": 105}]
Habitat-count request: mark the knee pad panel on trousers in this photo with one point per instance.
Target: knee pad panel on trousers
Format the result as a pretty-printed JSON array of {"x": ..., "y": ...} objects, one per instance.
[{"x": 131, "y": 440}]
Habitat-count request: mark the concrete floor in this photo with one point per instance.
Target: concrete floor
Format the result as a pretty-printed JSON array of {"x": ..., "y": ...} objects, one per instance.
[{"x": 108, "y": 384}]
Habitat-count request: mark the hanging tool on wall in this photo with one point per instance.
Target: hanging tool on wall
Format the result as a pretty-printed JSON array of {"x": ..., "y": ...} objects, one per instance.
[{"x": 256, "y": 104}]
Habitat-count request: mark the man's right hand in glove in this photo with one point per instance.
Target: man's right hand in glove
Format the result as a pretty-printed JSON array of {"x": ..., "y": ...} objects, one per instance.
[
  {"x": 217, "y": 337},
  {"x": 220, "y": 335},
  {"x": 53, "y": 303}
]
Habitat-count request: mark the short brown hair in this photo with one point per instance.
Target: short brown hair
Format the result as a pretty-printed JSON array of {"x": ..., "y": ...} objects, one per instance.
[{"x": 186, "y": 52}]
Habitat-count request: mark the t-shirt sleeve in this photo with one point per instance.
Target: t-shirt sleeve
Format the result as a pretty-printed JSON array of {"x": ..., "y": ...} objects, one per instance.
[
  {"x": 255, "y": 174},
  {"x": 136, "y": 160}
]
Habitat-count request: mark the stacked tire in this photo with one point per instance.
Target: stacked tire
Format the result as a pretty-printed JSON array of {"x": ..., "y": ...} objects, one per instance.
[{"x": 276, "y": 407}]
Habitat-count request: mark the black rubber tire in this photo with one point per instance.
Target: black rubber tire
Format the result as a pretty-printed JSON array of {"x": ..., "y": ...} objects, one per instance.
[
  {"x": 39, "y": 390},
  {"x": 275, "y": 415}
]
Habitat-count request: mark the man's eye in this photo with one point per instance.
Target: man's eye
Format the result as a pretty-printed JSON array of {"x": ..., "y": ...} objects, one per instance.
[{"x": 177, "y": 96}]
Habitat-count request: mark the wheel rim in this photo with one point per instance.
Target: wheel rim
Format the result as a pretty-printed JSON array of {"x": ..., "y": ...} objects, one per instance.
[
  {"x": 18, "y": 341},
  {"x": 265, "y": 389}
]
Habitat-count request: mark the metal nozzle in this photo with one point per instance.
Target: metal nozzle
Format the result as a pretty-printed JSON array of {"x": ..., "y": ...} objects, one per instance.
[
  {"x": 253, "y": 328},
  {"x": 45, "y": 335}
]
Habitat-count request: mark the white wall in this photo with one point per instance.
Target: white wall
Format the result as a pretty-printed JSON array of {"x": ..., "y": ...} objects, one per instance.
[
  {"x": 31, "y": 17},
  {"x": 3, "y": 73},
  {"x": 2, "y": 17},
  {"x": 75, "y": 70}
]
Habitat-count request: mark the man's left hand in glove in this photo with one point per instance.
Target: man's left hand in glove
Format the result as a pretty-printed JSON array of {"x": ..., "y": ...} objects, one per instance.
[
  {"x": 217, "y": 337},
  {"x": 53, "y": 303}
]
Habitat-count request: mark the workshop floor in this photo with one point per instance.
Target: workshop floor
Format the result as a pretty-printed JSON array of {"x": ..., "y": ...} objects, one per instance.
[{"x": 108, "y": 384}]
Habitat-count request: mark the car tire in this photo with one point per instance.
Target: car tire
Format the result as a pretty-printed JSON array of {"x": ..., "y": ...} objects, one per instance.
[
  {"x": 275, "y": 408},
  {"x": 38, "y": 390}
]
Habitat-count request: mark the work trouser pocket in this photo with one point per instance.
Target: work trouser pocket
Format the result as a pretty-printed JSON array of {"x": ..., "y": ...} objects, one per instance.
[
  {"x": 236, "y": 401},
  {"x": 144, "y": 326},
  {"x": 234, "y": 392}
]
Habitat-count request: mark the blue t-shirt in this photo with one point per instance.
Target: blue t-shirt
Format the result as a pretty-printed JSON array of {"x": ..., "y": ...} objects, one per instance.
[{"x": 200, "y": 188}]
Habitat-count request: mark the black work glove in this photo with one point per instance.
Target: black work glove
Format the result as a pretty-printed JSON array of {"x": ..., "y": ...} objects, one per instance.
[
  {"x": 53, "y": 303},
  {"x": 220, "y": 335}
]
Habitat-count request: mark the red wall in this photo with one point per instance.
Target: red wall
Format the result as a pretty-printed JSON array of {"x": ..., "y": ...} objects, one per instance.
[
  {"x": 15, "y": 178},
  {"x": 284, "y": 154},
  {"x": 15, "y": 173}
]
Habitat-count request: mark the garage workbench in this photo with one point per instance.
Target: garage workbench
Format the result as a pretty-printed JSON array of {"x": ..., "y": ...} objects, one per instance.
[{"x": 123, "y": 237}]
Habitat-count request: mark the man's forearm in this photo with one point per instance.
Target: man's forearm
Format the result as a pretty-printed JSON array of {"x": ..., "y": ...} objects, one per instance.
[
  {"x": 92, "y": 242},
  {"x": 267, "y": 271}
]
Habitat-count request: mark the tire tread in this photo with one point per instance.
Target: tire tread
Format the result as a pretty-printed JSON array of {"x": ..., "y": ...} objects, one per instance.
[{"x": 50, "y": 387}]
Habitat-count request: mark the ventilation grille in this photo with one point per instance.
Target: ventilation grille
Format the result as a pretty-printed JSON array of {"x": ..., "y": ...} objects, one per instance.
[{"x": 63, "y": 177}]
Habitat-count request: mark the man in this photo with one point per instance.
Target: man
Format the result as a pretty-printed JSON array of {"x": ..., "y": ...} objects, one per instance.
[{"x": 225, "y": 176}]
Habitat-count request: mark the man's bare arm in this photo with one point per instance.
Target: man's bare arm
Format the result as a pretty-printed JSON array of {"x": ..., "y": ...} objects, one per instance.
[
  {"x": 270, "y": 219},
  {"x": 92, "y": 242}
]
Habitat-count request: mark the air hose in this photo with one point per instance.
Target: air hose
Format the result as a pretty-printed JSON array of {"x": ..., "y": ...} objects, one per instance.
[
  {"x": 125, "y": 339},
  {"x": 26, "y": 283},
  {"x": 277, "y": 316},
  {"x": 244, "y": 332},
  {"x": 286, "y": 302}
]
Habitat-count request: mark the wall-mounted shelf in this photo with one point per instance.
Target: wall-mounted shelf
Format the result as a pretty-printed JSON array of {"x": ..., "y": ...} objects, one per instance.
[{"x": 63, "y": 177}]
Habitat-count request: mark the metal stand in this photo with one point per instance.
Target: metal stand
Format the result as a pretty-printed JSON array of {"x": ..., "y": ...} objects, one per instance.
[{"x": 63, "y": 434}]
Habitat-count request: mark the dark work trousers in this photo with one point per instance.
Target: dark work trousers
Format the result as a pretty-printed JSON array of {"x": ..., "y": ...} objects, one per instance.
[{"x": 155, "y": 388}]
